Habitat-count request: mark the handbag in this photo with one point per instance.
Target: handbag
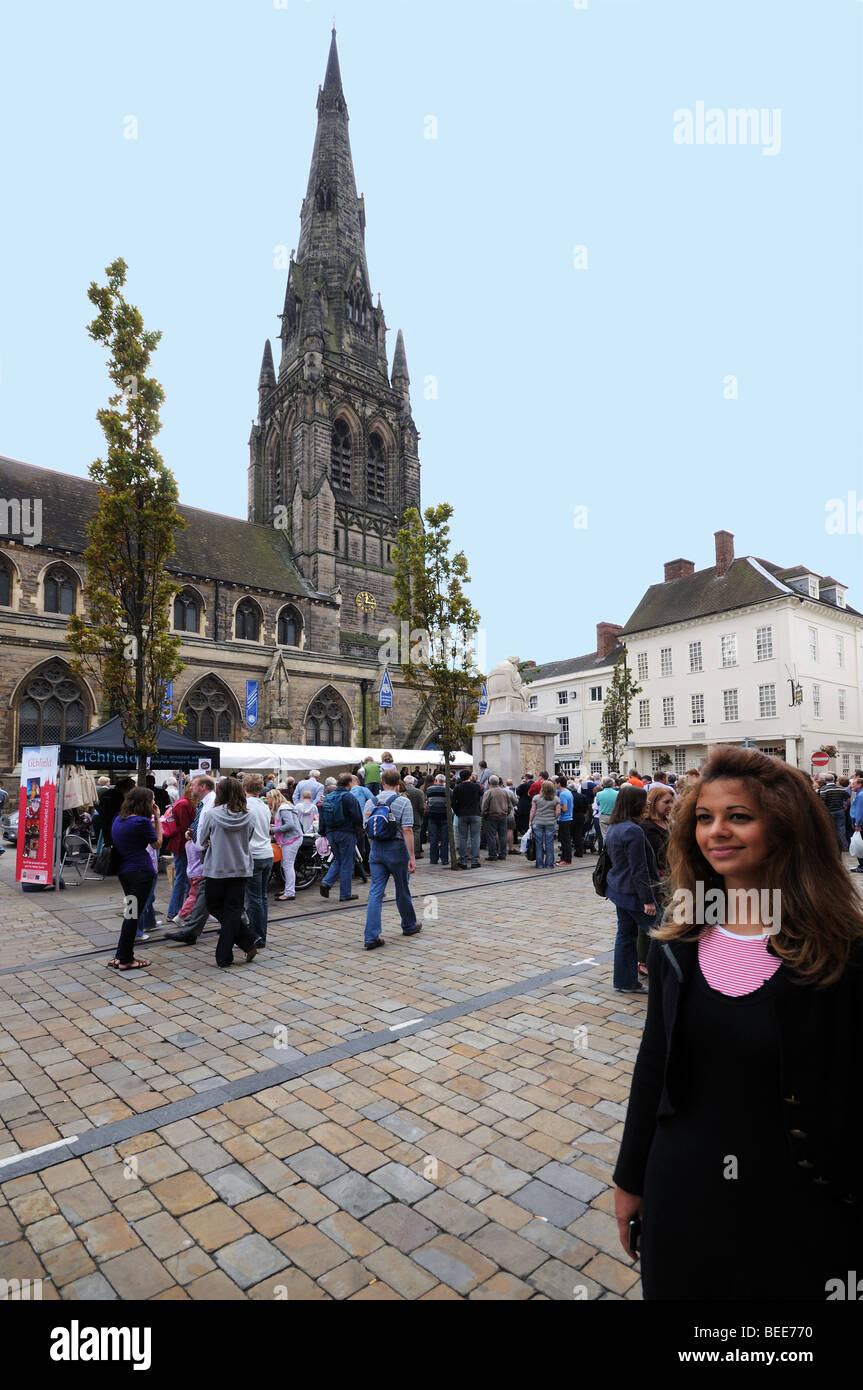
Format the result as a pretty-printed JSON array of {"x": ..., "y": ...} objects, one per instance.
[
  {"x": 600, "y": 872},
  {"x": 107, "y": 862},
  {"x": 530, "y": 852},
  {"x": 856, "y": 846}
]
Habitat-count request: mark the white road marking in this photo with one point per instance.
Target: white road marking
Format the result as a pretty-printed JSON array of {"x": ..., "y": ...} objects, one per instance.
[
  {"x": 46, "y": 1148},
  {"x": 397, "y": 1027}
]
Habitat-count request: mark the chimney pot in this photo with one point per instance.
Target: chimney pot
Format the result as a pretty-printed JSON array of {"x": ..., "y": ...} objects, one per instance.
[
  {"x": 724, "y": 552},
  {"x": 678, "y": 569},
  {"x": 606, "y": 638}
]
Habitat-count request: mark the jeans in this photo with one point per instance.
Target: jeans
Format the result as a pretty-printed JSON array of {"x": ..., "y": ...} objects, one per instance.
[
  {"x": 438, "y": 840},
  {"x": 565, "y": 827},
  {"x": 471, "y": 825},
  {"x": 495, "y": 837},
  {"x": 625, "y": 945},
  {"x": 224, "y": 898},
  {"x": 544, "y": 836},
  {"x": 838, "y": 818},
  {"x": 180, "y": 890},
  {"x": 257, "y": 902},
  {"x": 344, "y": 846},
  {"x": 138, "y": 885},
  {"x": 389, "y": 859},
  {"x": 147, "y": 919}
]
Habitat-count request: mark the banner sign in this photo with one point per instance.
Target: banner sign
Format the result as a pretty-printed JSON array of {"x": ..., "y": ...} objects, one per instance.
[
  {"x": 385, "y": 699},
  {"x": 251, "y": 703},
  {"x": 483, "y": 700},
  {"x": 168, "y": 702},
  {"x": 37, "y": 799}
]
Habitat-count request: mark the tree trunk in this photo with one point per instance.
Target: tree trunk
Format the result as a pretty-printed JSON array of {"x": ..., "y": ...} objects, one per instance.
[{"x": 142, "y": 769}]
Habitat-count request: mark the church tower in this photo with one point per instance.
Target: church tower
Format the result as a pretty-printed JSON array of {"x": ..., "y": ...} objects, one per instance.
[{"x": 334, "y": 452}]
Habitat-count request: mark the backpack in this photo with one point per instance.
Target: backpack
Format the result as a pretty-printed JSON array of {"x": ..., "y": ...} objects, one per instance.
[
  {"x": 331, "y": 812},
  {"x": 382, "y": 824},
  {"x": 173, "y": 838}
]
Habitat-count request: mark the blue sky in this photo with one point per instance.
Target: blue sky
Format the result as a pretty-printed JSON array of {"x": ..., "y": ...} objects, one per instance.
[{"x": 557, "y": 388}]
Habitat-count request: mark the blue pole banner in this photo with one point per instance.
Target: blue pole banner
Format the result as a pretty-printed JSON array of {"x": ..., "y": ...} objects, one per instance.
[
  {"x": 251, "y": 703},
  {"x": 483, "y": 699},
  {"x": 385, "y": 698},
  {"x": 168, "y": 701}
]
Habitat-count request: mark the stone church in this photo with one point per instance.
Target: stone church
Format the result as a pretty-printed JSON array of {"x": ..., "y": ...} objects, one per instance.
[{"x": 295, "y": 596}]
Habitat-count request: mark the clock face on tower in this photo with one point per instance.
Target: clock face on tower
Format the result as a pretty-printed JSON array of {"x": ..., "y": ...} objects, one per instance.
[{"x": 366, "y": 602}]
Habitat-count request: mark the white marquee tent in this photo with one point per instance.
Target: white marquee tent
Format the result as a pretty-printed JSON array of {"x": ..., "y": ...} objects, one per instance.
[{"x": 291, "y": 759}]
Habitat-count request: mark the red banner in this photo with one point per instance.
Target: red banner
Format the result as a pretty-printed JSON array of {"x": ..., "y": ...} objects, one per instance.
[{"x": 37, "y": 801}]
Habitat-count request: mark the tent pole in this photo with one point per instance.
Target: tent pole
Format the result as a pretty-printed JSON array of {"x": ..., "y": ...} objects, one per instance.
[{"x": 58, "y": 826}]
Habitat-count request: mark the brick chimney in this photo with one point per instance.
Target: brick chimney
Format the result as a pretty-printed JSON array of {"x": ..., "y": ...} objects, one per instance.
[
  {"x": 678, "y": 569},
  {"x": 724, "y": 552},
  {"x": 606, "y": 638}
]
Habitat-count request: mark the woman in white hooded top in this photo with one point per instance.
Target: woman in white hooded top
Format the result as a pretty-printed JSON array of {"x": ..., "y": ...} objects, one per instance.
[{"x": 225, "y": 834}]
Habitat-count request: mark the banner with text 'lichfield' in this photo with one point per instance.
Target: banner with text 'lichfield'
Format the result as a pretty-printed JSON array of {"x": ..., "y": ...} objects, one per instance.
[{"x": 36, "y": 802}]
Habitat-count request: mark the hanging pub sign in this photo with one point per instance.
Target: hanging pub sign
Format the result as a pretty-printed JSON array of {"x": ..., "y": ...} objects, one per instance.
[{"x": 37, "y": 800}]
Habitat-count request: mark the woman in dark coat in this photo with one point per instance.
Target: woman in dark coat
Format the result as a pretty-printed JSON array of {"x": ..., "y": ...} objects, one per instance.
[
  {"x": 522, "y": 810},
  {"x": 632, "y": 884},
  {"x": 655, "y": 824},
  {"x": 742, "y": 1152}
]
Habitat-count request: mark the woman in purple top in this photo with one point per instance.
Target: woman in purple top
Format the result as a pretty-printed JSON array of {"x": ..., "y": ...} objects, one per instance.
[{"x": 137, "y": 826}]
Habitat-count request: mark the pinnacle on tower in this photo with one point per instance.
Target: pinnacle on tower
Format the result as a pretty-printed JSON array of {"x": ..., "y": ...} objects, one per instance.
[
  {"x": 333, "y": 79},
  {"x": 267, "y": 379},
  {"x": 400, "y": 361}
]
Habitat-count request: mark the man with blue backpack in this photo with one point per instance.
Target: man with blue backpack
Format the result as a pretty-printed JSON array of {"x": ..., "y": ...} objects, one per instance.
[
  {"x": 341, "y": 821},
  {"x": 389, "y": 825}
]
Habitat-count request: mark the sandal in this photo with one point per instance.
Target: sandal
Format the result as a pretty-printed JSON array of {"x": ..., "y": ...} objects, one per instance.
[
  {"x": 135, "y": 965},
  {"x": 112, "y": 964}
]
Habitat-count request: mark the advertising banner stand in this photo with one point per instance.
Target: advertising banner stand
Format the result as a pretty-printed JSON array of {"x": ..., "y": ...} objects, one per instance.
[{"x": 38, "y": 809}]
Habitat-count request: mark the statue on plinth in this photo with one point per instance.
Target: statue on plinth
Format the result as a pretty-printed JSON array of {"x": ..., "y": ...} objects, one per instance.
[{"x": 506, "y": 692}]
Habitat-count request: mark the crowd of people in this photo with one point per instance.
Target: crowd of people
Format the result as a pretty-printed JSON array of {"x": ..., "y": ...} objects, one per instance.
[{"x": 377, "y": 821}]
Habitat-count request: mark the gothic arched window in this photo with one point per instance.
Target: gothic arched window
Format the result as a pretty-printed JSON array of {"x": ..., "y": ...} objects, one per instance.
[
  {"x": 357, "y": 305},
  {"x": 324, "y": 198},
  {"x": 51, "y": 708},
  {"x": 328, "y": 722},
  {"x": 290, "y": 628},
  {"x": 341, "y": 456},
  {"x": 5, "y": 585},
  {"x": 208, "y": 710},
  {"x": 187, "y": 612},
  {"x": 59, "y": 591},
  {"x": 376, "y": 470},
  {"x": 247, "y": 623}
]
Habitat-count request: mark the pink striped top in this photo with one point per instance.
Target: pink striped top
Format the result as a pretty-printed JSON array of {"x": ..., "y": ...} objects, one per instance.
[{"x": 735, "y": 965}]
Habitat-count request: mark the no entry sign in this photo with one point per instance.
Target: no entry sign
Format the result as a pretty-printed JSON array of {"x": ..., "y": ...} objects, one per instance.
[{"x": 820, "y": 760}]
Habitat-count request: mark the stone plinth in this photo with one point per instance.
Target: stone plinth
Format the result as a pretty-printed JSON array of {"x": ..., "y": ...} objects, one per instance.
[{"x": 513, "y": 743}]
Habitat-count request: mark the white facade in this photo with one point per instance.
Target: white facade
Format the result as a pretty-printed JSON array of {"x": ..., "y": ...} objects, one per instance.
[{"x": 727, "y": 678}]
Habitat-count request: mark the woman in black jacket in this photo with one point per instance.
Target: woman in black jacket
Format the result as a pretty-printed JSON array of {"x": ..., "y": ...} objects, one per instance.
[
  {"x": 655, "y": 824},
  {"x": 742, "y": 1152},
  {"x": 522, "y": 810},
  {"x": 631, "y": 886}
]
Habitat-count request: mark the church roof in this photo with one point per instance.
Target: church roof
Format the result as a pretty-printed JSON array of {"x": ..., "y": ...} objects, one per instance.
[{"x": 212, "y": 547}]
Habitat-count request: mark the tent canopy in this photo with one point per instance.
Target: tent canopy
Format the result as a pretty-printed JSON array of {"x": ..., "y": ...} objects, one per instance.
[
  {"x": 290, "y": 759},
  {"x": 106, "y": 748}
]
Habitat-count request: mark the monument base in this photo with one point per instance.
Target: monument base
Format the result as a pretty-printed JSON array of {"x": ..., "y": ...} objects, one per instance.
[{"x": 513, "y": 743}]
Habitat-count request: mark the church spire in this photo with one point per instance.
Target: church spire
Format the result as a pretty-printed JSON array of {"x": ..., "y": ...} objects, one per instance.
[
  {"x": 333, "y": 79},
  {"x": 400, "y": 361}
]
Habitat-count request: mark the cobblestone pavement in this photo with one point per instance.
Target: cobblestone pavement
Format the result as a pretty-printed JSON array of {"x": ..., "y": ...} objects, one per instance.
[{"x": 436, "y": 1120}]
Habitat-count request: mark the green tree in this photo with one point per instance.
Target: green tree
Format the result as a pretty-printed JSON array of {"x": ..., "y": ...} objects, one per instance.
[
  {"x": 433, "y": 607},
  {"x": 616, "y": 711},
  {"x": 125, "y": 639}
]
